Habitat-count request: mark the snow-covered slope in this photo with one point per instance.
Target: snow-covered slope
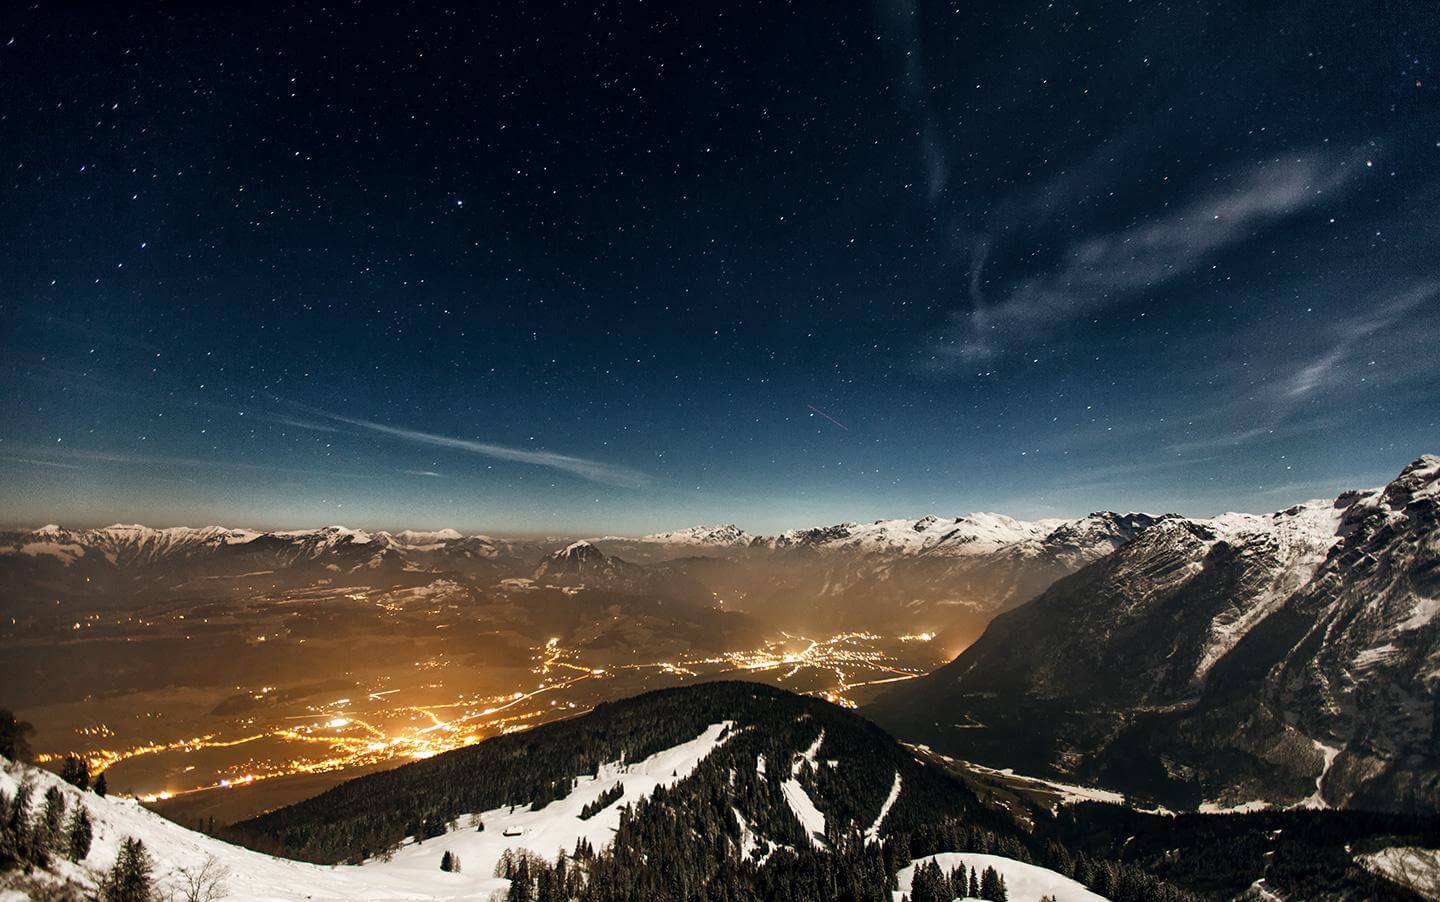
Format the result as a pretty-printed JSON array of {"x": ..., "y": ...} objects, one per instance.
[
  {"x": 1411, "y": 867},
  {"x": 413, "y": 872},
  {"x": 1023, "y": 882},
  {"x": 248, "y": 875}
]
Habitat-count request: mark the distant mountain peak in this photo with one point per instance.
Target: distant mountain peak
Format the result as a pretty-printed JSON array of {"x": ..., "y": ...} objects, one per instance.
[
  {"x": 726, "y": 535},
  {"x": 580, "y": 561}
]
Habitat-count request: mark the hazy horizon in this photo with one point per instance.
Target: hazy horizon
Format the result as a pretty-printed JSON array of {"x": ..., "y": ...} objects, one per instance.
[{"x": 1271, "y": 499}]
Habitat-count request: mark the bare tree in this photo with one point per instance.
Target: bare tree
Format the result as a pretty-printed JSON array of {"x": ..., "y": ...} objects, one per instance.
[{"x": 205, "y": 882}]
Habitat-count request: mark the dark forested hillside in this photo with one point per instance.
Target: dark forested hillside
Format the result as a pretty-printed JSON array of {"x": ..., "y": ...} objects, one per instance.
[
  {"x": 725, "y": 831},
  {"x": 1299, "y": 854},
  {"x": 730, "y": 829},
  {"x": 369, "y": 814}
]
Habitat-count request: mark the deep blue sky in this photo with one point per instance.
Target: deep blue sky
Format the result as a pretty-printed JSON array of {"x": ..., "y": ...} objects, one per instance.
[{"x": 618, "y": 267}]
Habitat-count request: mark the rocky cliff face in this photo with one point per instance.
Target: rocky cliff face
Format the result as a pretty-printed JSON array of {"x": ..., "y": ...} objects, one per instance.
[{"x": 1289, "y": 658}]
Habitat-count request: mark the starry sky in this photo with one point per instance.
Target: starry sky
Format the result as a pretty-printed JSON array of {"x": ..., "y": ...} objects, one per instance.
[{"x": 615, "y": 267}]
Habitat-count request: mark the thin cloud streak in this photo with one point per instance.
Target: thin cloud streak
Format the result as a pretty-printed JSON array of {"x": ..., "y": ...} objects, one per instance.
[
  {"x": 1269, "y": 431},
  {"x": 125, "y": 459},
  {"x": 42, "y": 463},
  {"x": 1107, "y": 269},
  {"x": 594, "y": 471},
  {"x": 897, "y": 18},
  {"x": 1322, "y": 370}
]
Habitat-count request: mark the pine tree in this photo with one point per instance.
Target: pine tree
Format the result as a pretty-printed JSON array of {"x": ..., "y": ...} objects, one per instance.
[
  {"x": 520, "y": 889},
  {"x": 74, "y": 772},
  {"x": 992, "y": 886},
  {"x": 79, "y": 834},
  {"x": 928, "y": 884},
  {"x": 14, "y": 741},
  {"x": 9, "y": 853},
  {"x": 16, "y": 844},
  {"x": 100, "y": 787},
  {"x": 447, "y": 862},
  {"x": 131, "y": 878},
  {"x": 49, "y": 827}
]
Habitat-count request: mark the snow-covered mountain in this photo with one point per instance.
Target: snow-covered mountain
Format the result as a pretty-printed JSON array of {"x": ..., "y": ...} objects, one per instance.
[
  {"x": 930, "y": 574},
  {"x": 115, "y": 562},
  {"x": 978, "y": 533},
  {"x": 940, "y": 575},
  {"x": 973, "y": 535},
  {"x": 1290, "y": 658},
  {"x": 581, "y": 562},
  {"x": 135, "y": 545},
  {"x": 726, "y": 536}
]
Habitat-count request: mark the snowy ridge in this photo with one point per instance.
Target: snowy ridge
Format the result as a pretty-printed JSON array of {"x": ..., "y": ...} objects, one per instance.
[
  {"x": 1301, "y": 538},
  {"x": 135, "y": 545},
  {"x": 728, "y": 535},
  {"x": 977, "y": 533}
]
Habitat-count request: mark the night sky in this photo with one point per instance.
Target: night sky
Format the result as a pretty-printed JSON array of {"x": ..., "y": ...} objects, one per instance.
[{"x": 629, "y": 266}]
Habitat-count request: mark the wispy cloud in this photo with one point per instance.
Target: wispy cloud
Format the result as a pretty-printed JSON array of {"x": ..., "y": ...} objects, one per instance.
[
  {"x": 898, "y": 19},
  {"x": 37, "y": 462},
  {"x": 1125, "y": 473},
  {"x": 303, "y": 424},
  {"x": 430, "y": 473},
  {"x": 1272, "y": 428},
  {"x": 47, "y": 456},
  {"x": 88, "y": 330},
  {"x": 1351, "y": 335},
  {"x": 595, "y": 471},
  {"x": 1109, "y": 268}
]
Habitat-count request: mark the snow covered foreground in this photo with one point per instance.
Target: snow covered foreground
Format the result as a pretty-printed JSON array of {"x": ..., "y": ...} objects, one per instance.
[
  {"x": 414, "y": 870},
  {"x": 1412, "y": 867},
  {"x": 1023, "y": 882}
]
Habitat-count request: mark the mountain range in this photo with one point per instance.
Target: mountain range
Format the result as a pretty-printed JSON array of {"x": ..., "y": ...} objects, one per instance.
[
  {"x": 941, "y": 575},
  {"x": 1288, "y": 659}
]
